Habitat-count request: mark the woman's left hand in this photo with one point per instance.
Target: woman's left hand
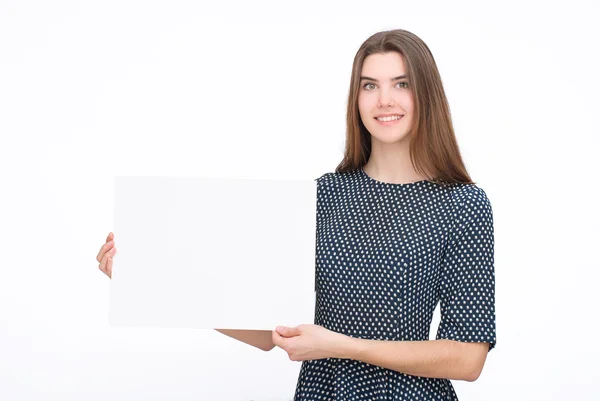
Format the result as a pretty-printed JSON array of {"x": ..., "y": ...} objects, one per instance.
[{"x": 309, "y": 341}]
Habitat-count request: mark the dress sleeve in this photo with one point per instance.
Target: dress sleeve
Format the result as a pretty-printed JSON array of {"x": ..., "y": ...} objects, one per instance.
[{"x": 467, "y": 283}]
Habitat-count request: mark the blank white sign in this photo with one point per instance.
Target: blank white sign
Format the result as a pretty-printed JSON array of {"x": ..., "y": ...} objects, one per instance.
[{"x": 210, "y": 253}]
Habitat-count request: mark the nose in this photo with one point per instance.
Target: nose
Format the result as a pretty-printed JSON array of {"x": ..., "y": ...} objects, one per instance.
[{"x": 385, "y": 99}]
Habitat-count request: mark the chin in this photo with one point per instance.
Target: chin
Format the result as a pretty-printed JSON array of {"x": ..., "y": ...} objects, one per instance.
[{"x": 390, "y": 139}]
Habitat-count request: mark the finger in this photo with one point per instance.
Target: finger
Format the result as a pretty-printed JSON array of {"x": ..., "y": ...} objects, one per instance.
[
  {"x": 110, "y": 237},
  {"x": 104, "y": 261},
  {"x": 109, "y": 266},
  {"x": 277, "y": 339},
  {"x": 288, "y": 331},
  {"x": 105, "y": 248}
]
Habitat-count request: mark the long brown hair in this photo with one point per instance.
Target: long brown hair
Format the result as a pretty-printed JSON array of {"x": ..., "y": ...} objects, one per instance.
[{"x": 434, "y": 151}]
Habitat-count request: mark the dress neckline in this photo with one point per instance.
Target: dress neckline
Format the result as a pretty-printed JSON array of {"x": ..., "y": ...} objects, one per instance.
[{"x": 406, "y": 184}]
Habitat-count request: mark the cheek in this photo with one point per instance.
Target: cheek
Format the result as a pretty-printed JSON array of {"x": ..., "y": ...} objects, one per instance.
[
  {"x": 366, "y": 104},
  {"x": 361, "y": 103},
  {"x": 363, "y": 108},
  {"x": 407, "y": 103}
]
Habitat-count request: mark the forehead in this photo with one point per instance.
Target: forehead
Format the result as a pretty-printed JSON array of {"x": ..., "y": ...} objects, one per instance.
[{"x": 383, "y": 65}]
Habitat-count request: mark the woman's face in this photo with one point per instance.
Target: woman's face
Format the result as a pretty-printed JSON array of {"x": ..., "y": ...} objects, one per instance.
[{"x": 384, "y": 91}]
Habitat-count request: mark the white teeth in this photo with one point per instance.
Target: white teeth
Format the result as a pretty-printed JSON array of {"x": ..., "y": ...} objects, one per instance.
[{"x": 390, "y": 118}]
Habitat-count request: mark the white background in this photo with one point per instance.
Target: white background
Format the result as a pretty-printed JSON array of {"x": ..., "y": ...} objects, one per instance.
[{"x": 90, "y": 90}]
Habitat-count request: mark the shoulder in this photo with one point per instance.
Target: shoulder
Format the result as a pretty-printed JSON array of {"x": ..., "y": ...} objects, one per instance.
[
  {"x": 468, "y": 194},
  {"x": 327, "y": 177},
  {"x": 469, "y": 199},
  {"x": 335, "y": 178}
]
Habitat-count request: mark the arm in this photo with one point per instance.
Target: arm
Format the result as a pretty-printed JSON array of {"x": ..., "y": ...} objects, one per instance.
[
  {"x": 261, "y": 339},
  {"x": 448, "y": 359},
  {"x": 434, "y": 358}
]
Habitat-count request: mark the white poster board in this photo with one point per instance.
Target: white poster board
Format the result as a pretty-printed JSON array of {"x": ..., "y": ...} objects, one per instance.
[{"x": 195, "y": 252}]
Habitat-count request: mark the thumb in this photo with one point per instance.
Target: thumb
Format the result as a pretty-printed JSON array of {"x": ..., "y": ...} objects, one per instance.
[{"x": 288, "y": 331}]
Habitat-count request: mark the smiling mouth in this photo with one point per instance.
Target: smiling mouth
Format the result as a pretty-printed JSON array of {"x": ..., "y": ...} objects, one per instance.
[{"x": 387, "y": 119}]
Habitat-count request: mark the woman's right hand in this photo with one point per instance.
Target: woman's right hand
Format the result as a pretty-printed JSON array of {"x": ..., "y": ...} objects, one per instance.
[{"x": 105, "y": 256}]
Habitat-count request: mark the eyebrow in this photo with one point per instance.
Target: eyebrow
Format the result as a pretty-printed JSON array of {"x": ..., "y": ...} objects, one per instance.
[{"x": 374, "y": 80}]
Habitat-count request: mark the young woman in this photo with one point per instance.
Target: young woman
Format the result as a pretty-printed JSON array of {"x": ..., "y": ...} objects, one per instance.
[{"x": 400, "y": 227}]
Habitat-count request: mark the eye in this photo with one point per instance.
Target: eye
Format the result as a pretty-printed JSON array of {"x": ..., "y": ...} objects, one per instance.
[
  {"x": 404, "y": 84},
  {"x": 367, "y": 84}
]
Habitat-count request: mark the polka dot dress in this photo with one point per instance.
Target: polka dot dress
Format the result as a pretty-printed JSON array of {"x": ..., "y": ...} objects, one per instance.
[{"x": 386, "y": 255}]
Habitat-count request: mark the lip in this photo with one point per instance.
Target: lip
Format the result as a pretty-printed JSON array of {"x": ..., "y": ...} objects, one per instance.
[
  {"x": 389, "y": 114},
  {"x": 385, "y": 123}
]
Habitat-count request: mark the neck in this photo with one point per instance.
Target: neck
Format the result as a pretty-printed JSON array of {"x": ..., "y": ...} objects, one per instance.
[{"x": 390, "y": 162}]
